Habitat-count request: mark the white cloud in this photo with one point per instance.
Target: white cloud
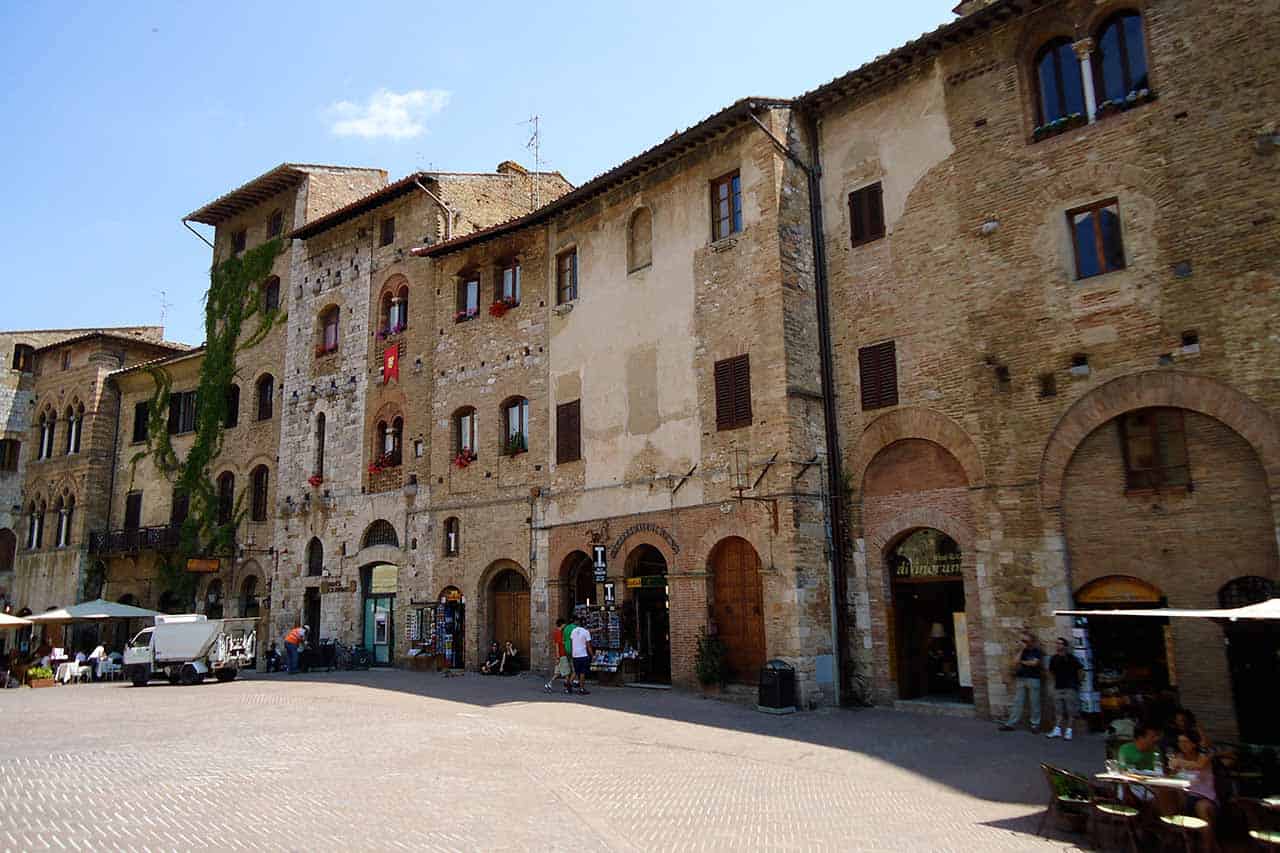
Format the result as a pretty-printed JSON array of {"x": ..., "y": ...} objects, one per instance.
[{"x": 387, "y": 114}]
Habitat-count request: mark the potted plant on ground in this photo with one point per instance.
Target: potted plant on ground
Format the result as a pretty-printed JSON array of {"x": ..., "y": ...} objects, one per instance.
[
  {"x": 709, "y": 662},
  {"x": 39, "y": 676}
]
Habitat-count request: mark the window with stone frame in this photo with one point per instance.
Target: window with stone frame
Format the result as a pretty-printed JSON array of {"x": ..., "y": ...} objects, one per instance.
[
  {"x": 275, "y": 224},
  {"x": 567, "y": 276},
  {"x": 640, "y": 240},
  {"x": 182, "y": 412},
  {"x": 866, "y": 214},
  {"x": 733, "y": 392},
  {"x": 515, "y": 426},
  {"x": 315, "y": 558},
  {"x": 9, "y": 450},
  {"x": 329, "y": 320},
  {"x": 226, "y": 497},
  {"x": 393, "y": 310},
  {"x": 266, "y": 392},
  {"x": 726, "y": 206},
  {"x": 133, "y": 510},
  {"x": 48, "y": 428},
  {"x": 1096, "y": 239},
  {"x": 1119, "y": 60},
  {"x": 878, "y": 375},
  {"x": 65, "y": 508},
  {"x": 75, "y": 426},
  {"x": 507, "y": 283},
  {"x": 141, "y": 422},
  {"x": 260, "y": 481},
  {"x": 239, "y": 239},
  {"x": 452, "y": 537},
  {"x": 464, "y": 433},
  {"x": 35, "y": 526},
  {"x": 1059, "y": 83},
  {"x": 387, "y": 231},
  {"x": 24, "y": 358},
  {"x": 467, "y": 303},
  {"x": 1154, "y": 447},
  {"x": 389, "y": 452},
  {"x": 271, "y": 293}
]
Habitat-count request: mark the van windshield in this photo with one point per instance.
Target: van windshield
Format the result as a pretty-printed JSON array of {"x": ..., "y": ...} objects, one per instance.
[{"x": 142, "y": 640}]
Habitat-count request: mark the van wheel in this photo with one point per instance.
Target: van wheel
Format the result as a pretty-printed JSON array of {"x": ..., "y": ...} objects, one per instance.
[
  {"x": 225, "y": 675},
  {"x": 138, "y": 676},
  {"x": 172, "y": 675},
  {"x": 190, "y": 675}
]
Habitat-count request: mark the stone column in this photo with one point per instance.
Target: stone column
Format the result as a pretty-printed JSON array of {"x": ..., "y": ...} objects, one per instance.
[{"x": 1084, "y": 52}]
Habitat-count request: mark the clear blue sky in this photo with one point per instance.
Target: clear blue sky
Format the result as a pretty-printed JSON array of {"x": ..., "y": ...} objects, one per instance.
[{"x": 123, "y": 117}]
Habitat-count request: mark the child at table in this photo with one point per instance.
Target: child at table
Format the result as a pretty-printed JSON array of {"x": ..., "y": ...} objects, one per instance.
[{"x": 1202, "y": 796}]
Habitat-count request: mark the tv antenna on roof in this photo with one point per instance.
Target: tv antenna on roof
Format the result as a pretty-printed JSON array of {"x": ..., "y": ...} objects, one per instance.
[
  {"x": 164, "y": 306},
  {"x": 535, "y": 145}
]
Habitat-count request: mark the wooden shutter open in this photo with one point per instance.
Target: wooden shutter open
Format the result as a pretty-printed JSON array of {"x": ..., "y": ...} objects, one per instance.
[
  {"x": 878, "y": 375},
  {"x": 569, "y": 432}
]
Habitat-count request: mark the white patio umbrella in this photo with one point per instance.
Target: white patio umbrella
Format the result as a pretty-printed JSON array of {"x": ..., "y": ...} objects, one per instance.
[
  {"x": 97, "y": 610},
  {"x": 7, "y": 621},
  {"x": 1267, "y": 610}
]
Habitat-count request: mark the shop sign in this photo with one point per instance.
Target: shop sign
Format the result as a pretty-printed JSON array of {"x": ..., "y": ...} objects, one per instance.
[
  {"x": 647, "y": 581},
  {"x": 600, "y": 565},
  {"x": 644, "y": 527},
  {"x": 608, "y": 593},
  {"x": 331, "y": 586},
  {"x": 1118, "y": 589},
  {"x": 452, "y": 595},
  {"x": 204, "y": 565},
  {"x": 926, "y": 554},
  {"x": 382, "y": 580}
]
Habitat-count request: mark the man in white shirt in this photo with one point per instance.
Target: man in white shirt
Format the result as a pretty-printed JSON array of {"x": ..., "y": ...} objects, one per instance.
[{"x": 580, "y": 640}]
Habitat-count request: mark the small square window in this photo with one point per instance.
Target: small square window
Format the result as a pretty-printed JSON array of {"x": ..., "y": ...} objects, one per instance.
[
  {"x": 239, "y": 240},
  {"x": 388, "y": 231},
  {"x": 866, "y": 214},
  {"x": 1096, "y": 238},
  {"x": 726, "y": 206}
]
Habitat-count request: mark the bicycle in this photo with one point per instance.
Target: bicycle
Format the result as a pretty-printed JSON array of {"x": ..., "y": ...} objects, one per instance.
[{"x": 350, "y": 657}]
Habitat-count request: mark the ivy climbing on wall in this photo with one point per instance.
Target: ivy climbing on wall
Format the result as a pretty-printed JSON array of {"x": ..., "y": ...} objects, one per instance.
[{"x": 236, "y": 318}]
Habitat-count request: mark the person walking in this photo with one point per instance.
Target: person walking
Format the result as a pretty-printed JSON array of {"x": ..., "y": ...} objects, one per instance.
[
  {"x": 580, "y": 646},
  {"x": 1066, "y": 668},
  {"x": 1027, "y": 664},
  {"x": 567, "y": 644},
  {"x": 292, "y": 643},
  {"x": 560, "y": 669}
]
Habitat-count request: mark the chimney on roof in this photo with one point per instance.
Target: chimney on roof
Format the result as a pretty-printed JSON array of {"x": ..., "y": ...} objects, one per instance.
[
  {"x": 511, "y": 167},
  {"x": 968, "y": 7}
]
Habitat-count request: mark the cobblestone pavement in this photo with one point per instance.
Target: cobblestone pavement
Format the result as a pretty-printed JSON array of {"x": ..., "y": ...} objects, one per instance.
[{"x": 397, "y": 760}]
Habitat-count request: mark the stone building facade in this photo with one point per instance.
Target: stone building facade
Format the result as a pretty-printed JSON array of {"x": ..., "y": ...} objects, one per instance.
[{"x": 1055, "y": 348}]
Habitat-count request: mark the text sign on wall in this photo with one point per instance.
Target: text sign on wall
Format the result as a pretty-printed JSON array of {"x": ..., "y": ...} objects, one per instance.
[
  {"x": 203, "y": 564},
  {"x": 382, "y": 580},
  {"x": 600, "y": 565}
]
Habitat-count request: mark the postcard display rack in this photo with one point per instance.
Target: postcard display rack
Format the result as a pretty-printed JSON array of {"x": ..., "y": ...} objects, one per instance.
[{"x": 605, "y": 624}]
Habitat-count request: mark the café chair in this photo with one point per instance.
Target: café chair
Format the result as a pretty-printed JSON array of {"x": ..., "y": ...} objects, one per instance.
[
  {"x": 1068, "y": 797},
  {"x": 1108, "y": 813},
  {"x": 1190, "y": 829},
  {"x": 1262, "y": 821}
]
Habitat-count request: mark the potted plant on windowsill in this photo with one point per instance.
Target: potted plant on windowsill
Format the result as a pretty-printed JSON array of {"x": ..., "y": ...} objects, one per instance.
[
  {"x": 517, "y": 444},
  {"x": 464, "y": 316},
  {"x": 315, "y": 480},
  {"x": 502, "y": 306},
  {"x": 1059, "y": 125},
  {"x": 39, "y": 676},
  {"x": 464, "y": 458},
  {"x": 390, "y": 331},
  {"x": 1113, "y": 106}
]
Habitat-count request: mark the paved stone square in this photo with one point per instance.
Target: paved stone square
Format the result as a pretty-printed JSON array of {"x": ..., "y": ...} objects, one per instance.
[{"x": 398, "y": 760}]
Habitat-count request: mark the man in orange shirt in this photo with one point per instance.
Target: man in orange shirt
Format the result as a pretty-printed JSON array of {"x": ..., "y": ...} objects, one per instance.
[
  {"x": 562, "y": 659},
  {"x": 292, "y": 643}
]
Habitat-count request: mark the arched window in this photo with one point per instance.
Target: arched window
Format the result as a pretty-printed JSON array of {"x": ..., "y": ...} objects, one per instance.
[
  {"x": 8, "y": 547},
  {"x": 266, "y": 390},
  {"x": 640, "y": 240},
  {"x": 261, "y": 479},
  {"x": 271, "y": 294},
  {"x": 66, "y": 508},
  {"x": 275, "y": 225},
  {"x": 1120, "y": 58},
  {"x": 464, "y": 433},
  {"x": 35, "y": 526},
  {"x": 386, "y": 314},
  {"x": 515, "y": 426},
  {"x": 380, "y": 533},
  {"x": 249, "y": 597},
  {"x": 319, "y": 464},
  {"x": 400, "y": 308},
  {"x": 329, "y": 330},
  {"x": 393, "y": 441},
  {"x": 48, "y": 424},
  {"x": 452, "y": 537},
  {"x": 226, "y": 496},
  {"x": 232, "y": 417},
  {"x": 1059, "y": 84},
  {"x": 315, "y": 558},
  {"x": 75, "y": 421}
]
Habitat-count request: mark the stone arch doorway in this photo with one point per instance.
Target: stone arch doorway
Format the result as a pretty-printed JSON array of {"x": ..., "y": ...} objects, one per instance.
[
  {"x": 579, "y": 582},
  {"x": 649, "y": 612},
  {"x": 509, "y": 612},
  {"x": 1253, "y": 658},
  {"x": 1128, "y": 654},
  {"x": 930, "y": 625},
  {"x": 379, "y": 582},
  {"x": 249, "y": 606},
  {"x": 737, "y": 609}
]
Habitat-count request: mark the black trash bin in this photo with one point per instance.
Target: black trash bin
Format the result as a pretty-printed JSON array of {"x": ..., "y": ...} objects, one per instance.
[{"x": 777, "y": 688}]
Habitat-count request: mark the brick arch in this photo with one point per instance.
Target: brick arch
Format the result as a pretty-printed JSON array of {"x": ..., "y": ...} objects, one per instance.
[
  {"x": 1098, "y": 179},
  {"x": 913, "y": 519},
  {"x": 634, "y": 541},
  {"x": 1098, "y": 15},
  {"x": 733, "y": 524},
  {"x": 1171, "y": 389},
  {"x": 920, "y": 423}
]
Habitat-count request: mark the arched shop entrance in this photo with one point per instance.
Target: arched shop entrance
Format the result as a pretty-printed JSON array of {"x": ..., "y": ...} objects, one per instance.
[
  {"x": 1253, "y": 656},
  {"x": 579, "y": 582},
  {"x": 509, "y": 610},
  {"x": 379, "y": 582},
  {"x": 650, "y": 613},
  {"x": 451, "y": 627},
  {"x": 1128, "y": 660},
  {"x": 929, "y": 620},
  {"x": 737, "y": 609}
]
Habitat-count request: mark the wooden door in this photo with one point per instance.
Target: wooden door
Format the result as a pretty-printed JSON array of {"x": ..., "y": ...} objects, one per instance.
[
  {"x": 511, "y": 616},
  {"x": 738, "y": 609}
]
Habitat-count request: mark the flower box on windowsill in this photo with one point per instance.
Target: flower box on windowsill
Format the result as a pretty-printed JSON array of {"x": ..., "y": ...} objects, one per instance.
[
  {"x": 464, "y": 458},
  {"x": 501, "y": 306},
  {"x": 1135, "y": 98},
  {"x": 1059, "y": 126},
  {"x": 385, "y": 334},
  {"x": 516, "y": 445},
  {"x": 322, "y": 351},
  {"x": 464, "y": 316},
  {"x": 315, "y": 480}
]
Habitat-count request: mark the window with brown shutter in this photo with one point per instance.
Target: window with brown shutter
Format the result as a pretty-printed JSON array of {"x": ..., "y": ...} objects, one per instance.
[
  {"x": 866, "y": 214},
  {"x": 733, "y": 392},
  {"x": 388, "y": 231},
  {"x": 1154, "y": 445},
  {"x": 878, "y": 373},
  {"x": 569, "y": 432}
]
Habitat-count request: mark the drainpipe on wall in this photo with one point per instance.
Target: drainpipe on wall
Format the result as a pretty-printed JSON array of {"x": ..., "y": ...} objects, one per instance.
[
  {"x": 449, "y": 212},
  {"x": 831, "y": 424},
  {"x": 111, "y": 482}
]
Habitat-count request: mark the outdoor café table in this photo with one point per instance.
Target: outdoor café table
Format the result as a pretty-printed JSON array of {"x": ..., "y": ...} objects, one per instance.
[
  {"x": 66, "y": 671},
  {"x": 1165, "y": 788}
]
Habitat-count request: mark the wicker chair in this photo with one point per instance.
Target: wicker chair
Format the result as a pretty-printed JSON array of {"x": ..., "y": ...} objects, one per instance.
[
  {"x": 1068, "y": 796},
  {"x": 1107, "y": 811},
  {"x": 1263, "y": 822}
]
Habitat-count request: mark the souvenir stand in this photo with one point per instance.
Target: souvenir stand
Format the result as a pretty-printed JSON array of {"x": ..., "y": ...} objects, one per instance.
[{"x": 614, "y": 661}]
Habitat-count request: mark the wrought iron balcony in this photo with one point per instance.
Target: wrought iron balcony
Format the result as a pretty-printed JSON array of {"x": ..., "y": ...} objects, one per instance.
[{"x": 164, "y": 538}]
